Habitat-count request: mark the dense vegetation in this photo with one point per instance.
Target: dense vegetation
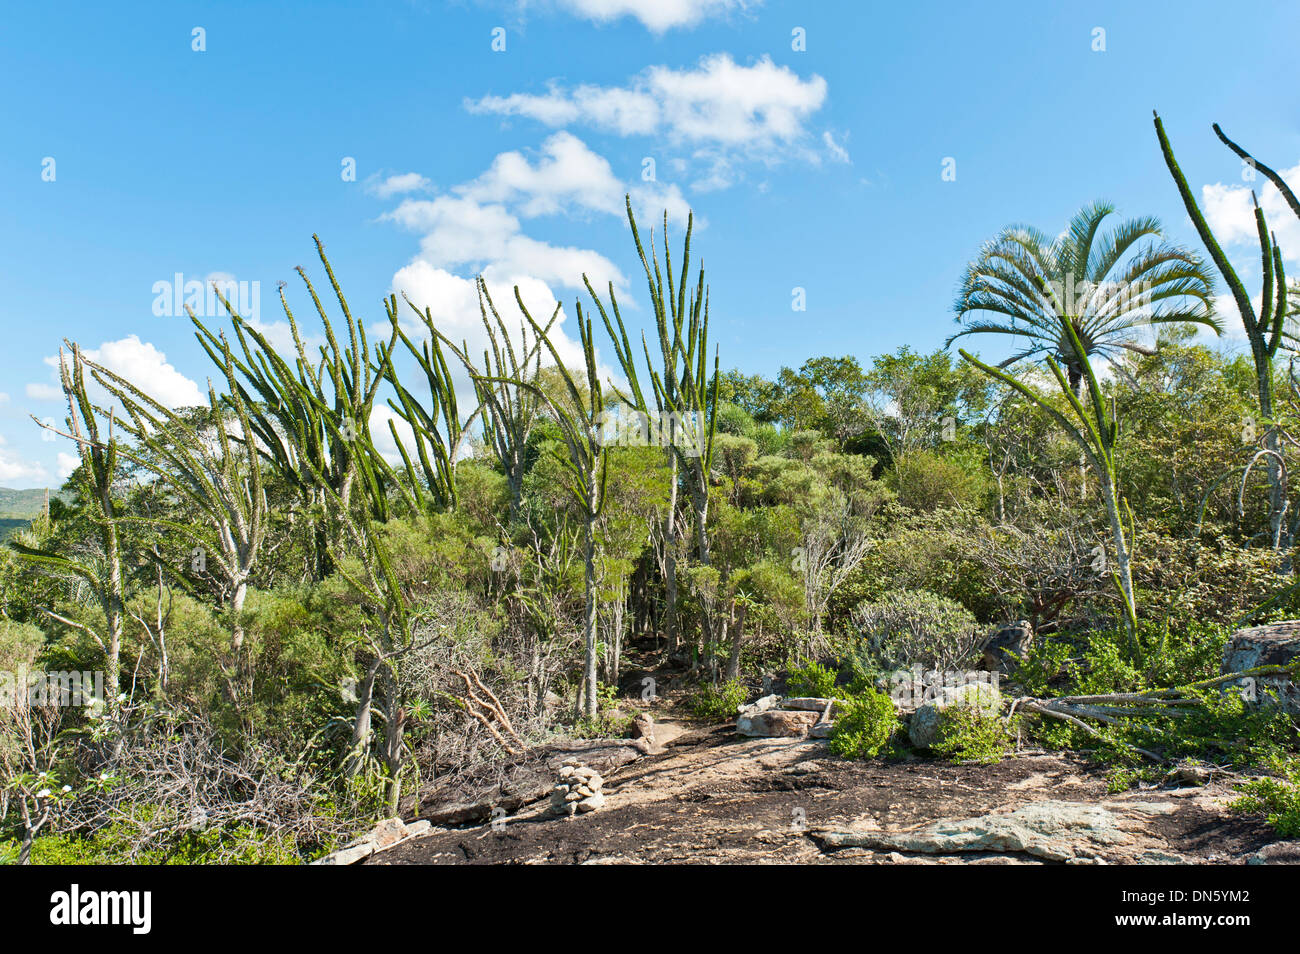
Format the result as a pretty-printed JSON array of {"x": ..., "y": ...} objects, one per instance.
[{"x": 297, "y": 632}]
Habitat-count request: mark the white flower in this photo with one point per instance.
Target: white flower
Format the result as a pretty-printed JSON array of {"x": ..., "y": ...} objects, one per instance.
[
  {"x": 67, "y": 788},
  {"x": 43, "y": 793}
]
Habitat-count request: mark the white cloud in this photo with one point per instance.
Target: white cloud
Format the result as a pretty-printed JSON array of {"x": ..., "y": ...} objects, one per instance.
[
  {"x": 397, "y": 185},
  {"x": 567, "y": 174},
  {"x": 453, "y": 305},
  {"x": 138, "y": 362},
  {"x": 146, "y": 367},
  {"x": 38, "y": 391},
  {"x": 477, "y": 225},
  {"x": 760, "y": 110},
  {"x": 461, "y": 232},
  {"x": 4, "y": 398},
  {"x": 476, "y": 228},
  {"x": 836, "y": 150},
  {"x": 656, "y": 16},
  {"x": 14, "y": 468},
  {"x": 67, "y": 463},
  {"x": 1231, "y": 214}
]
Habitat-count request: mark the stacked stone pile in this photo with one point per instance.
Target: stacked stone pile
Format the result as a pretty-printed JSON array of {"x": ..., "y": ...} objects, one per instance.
[{"x": 577, "y": 790}]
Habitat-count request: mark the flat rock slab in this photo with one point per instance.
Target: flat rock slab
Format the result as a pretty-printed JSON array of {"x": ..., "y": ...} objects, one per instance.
[
  {"x": 812, "y": 704},
  {"x": 1070, "y": 832}
]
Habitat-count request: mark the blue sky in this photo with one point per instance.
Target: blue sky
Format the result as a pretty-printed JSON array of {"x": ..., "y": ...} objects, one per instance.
[{"x": 817, "y": 168}]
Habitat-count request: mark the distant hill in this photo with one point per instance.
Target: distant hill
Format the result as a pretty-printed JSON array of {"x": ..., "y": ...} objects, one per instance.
[
  {"x": 18, "y": 507},
  {"x": 23, "y": 504}
]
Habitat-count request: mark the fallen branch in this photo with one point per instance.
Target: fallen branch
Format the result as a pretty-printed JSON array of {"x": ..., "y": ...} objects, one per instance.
[{"x": 475, "y": 705}]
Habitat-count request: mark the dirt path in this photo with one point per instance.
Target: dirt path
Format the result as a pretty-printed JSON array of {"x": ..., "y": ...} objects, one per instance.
[{"x": 712, "y": 798}]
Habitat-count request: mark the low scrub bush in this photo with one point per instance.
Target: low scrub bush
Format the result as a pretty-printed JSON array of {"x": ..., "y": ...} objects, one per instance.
[
  {"x": 864, "y": 726},
  {"x": 1277, "y": 799},
  {"x": 969, "y": 732},
  {"x": 917, "y": 627},
  {"x": 719, "y": 703},
  {"x": 810, "y": 679}
]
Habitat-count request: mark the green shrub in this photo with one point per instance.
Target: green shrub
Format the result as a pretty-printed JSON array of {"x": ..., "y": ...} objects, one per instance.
[
  {"x": 810, "y": 679},
  {"x": 864, "y": 726},
  {"x": 239, "y": 845},
  {"x": 719, "y": 703},
  {"x": 1277, "y": 799},
  {"x": 969, "y": 732}
]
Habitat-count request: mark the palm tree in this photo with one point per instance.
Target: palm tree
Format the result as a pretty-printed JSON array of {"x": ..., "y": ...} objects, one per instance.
[{"x": 1103, "y": 283}]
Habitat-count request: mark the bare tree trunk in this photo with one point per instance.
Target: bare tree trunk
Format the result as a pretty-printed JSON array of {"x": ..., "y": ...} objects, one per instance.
[
  {"x": 737, "y": 631},
  {"x": 361, "y": 723},
  {"x": 1122, "y": 559}
]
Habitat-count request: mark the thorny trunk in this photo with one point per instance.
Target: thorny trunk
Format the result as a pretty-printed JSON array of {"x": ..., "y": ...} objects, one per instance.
[
  {"x": 700, "y": 507},
  {"x": 1279, "y": 533},
  {"x": 114, "y": 606},
  {"x": 670, "y": 559},
  {"x": 589, "y": 612},
  {"x": 394, "y": 751}
]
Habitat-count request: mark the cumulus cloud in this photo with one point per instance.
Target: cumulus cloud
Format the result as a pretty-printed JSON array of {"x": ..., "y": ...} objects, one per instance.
[
  {"x": 14, "y": 469},
  {"x": 141, "y": 363},
  {"x": 39, "y": 391},
  {"x": 1231, "y": 214},
  {"x": 477, "y": 225},
  {"x": 459, "y": 232},
  {"x": 478, "y": 228},
  {"x": 720, "y": 103}
]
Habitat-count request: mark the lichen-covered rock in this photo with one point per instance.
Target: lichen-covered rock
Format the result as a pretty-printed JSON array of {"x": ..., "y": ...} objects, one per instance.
[
  {"x": 1007, "y": 646},
  {"x": 760, "y": 705},
  {"x": 1070, "y": 832},
  {"x": 1274, "y": 644},
  {"x": 776, "y": 723},
  {"x": 813, "y": 704}
]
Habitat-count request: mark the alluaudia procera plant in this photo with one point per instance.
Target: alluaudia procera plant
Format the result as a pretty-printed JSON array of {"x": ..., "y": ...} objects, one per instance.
[{"x": 1264, "y": 329}]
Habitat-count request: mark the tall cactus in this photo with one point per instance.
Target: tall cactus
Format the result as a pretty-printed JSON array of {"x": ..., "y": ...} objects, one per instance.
[
  {"x": 579, "y": 417},
  {"x": 311, "y": 417},
  {"x": 436, "y": 428},
  {"x": 223, "y": 482},
  {"x": 679, "y": 385},
  {"x": 509, "y": 409},
  {"x": 1264, "y": 330}
]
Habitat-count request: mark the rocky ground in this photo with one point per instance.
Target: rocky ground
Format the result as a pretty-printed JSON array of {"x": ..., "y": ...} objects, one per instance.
[{"x": 706, "y": 796}]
